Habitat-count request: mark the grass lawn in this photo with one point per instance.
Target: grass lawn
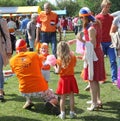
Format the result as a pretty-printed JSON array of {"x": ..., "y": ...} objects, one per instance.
[{"x": 11, "y": 110}]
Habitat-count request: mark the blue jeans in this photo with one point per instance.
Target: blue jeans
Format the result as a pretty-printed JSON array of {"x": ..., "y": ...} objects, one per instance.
[
  {"x": 49, "y": 37},
  {"x": 112, "y": 57},
  {"x": 1, "y": 73}
]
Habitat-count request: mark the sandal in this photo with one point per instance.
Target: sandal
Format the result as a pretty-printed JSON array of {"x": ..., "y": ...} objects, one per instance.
[{"x": 28, "y": 106}]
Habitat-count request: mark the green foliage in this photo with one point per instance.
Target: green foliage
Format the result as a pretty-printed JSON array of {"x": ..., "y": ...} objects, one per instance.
[
  {"x": 94, "y": 5},
  {"x": 71, "y": 6},
  {"x": 115, "y": 5},
  {"x": 12, "y": 3}
]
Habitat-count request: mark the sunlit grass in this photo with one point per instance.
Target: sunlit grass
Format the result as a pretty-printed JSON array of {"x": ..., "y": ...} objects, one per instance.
[{"x": 12, "y": 110}]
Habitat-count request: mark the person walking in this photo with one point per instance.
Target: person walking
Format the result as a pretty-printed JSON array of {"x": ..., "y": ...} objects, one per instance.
[
  {"x": 5, "y": 52},
  {"x": 47, "y": 23},
  {"x": 115, "y": 36},
  {"x": 106, "y": 21}
]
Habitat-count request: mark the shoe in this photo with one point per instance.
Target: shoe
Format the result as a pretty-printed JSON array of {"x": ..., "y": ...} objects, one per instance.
[
  {"x": 28, "y": 106},
  {"x": 61, "y": 116},
  {"x": 87, "y": 88},
  {"x": 55, "y": 110},
  {"x": 89, "y": 102},
  {"x": 93, "y": 107},
  {"x": 101, "y": 82},
  {"x": 114, "y": 83},
  {"x": 73, "y": 115},
  {"x": 100, "y": 105},
  {"x": 2, "y": 98},
  {"x": 48, "y": 105}
]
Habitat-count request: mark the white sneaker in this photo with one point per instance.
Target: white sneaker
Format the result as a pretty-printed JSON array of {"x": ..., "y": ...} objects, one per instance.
[
  {"x": 89, "y": 102},
  {"x": 73, "y": 115},
  {"x": 61, "y": 116}
]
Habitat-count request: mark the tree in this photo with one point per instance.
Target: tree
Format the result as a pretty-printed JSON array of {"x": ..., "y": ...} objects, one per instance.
[{"x": 71, "y": 6}]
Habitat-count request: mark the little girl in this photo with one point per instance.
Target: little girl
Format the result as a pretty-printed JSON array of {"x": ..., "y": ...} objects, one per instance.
[
  {"x": 43, "y": 53},
  {"x": 67, "y": 84}
]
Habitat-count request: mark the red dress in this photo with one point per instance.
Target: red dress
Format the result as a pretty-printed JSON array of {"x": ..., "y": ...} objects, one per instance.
[
  {"x": 99, "y": 69},
  {"x": 67, "y": 82}
]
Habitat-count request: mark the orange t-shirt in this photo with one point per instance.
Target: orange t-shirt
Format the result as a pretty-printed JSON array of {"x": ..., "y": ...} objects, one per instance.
[
  {"x": 27, "y": 66},
  {"x": 69, "y": 70},
  {"x": 45, "y": 66},
  {"x": 47, "y": 22}
]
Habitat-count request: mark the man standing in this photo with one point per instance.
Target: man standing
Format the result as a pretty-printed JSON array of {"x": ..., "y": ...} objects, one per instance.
[
  {"x": 5, "y": 52},
  {"x": 31, "y": 28},
  {"x": 106, "y": 21},
  {"x": 47, "y": 23}
]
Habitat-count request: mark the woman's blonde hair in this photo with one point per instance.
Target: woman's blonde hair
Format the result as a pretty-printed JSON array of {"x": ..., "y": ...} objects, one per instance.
[
  {"x": 63, "y": 53},
  {"x": 105, "y": 2}
]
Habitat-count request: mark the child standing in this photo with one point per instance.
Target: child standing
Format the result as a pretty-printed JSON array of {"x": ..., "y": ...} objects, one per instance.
[{"x": 67, "y": 84}]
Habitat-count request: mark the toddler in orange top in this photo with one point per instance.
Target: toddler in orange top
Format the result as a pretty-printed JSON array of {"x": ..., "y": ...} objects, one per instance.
[
  {"x": 43, "y": 53},
  {"x": 67, "y": 84}
]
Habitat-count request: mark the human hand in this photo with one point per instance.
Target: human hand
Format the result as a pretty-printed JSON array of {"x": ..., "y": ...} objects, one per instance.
[
  {"x": 9, "y": 55},
  {"x": 30, "y": 37}
]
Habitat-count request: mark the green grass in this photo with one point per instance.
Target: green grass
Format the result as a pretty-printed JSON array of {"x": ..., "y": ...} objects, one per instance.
[{"x": 12, "y": 110}]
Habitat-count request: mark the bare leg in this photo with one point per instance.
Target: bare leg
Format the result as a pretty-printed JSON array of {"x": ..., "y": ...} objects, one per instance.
[
  {"x": 62, "y": 103},
  {"x": 93, "y": 89},
  {"x": 72, "y": 101},
  {"x": 98, "y": 93}
]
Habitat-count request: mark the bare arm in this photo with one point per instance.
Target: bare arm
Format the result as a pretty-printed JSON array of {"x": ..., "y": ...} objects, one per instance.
[
  {"x": 113, "y": 29},
  {"x": 37, "y": 34},
  {"x": 59, "y": 30},
  {"x": 92, "y": 35}
]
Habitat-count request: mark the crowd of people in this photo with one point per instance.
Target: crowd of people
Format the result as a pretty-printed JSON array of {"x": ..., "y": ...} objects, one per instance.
[{"x": 94, "y": 38}]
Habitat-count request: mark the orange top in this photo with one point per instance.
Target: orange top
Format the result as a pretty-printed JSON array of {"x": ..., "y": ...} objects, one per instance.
[
  {"x": 45, "y": 66},
  {"x": 47, "y": 22},
  {"x": 69, "y": 70},
  {"x": 11, "y": 30},
  {"x": 27, "y": 66}
]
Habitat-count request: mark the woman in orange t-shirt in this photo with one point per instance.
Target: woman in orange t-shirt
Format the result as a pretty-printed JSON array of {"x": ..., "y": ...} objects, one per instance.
[{"x": 67, "y": 84}]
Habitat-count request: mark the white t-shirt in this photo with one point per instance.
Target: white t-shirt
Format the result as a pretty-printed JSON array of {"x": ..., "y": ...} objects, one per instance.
[{"x": 116, "y": 22}]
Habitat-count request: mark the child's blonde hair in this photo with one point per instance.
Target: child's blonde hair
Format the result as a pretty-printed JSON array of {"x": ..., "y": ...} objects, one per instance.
[
  {"x": 63, "y": 53},
  {"x": 104, "y": 3}
]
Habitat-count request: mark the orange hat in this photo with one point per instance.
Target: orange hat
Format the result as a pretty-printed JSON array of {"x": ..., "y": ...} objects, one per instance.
[
  {"x": 44, "y": 45},
  {"x": 20, "y": 44}
]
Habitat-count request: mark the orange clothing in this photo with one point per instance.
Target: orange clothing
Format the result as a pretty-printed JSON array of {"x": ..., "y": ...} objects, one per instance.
[
  {"x": 47, "y": 22},
  {"x": 11, "y": 30},
  {"x": 69, "y": 70},
  {"x": 27, "y": 66},
  {"x": 45, "y": 66}
]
